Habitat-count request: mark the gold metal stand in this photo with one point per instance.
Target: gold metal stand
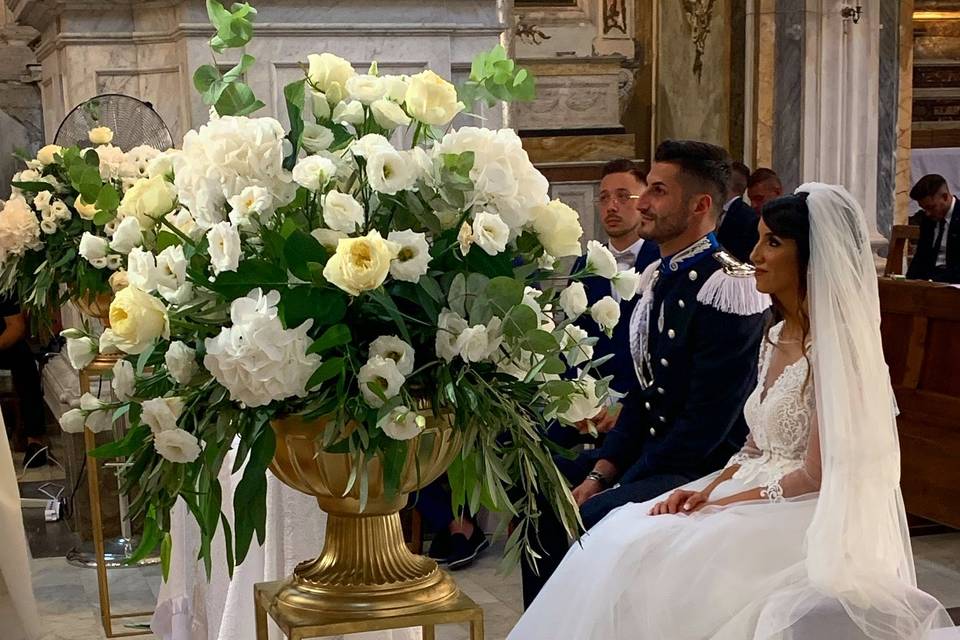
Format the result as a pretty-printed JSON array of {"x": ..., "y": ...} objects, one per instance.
[
  {"x": 103, "y": 364},
  {"x": 298, "y": 625}
]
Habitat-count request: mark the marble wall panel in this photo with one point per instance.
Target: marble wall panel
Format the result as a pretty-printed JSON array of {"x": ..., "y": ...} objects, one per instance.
[
  {"x": 766, "y": 35},
  {"x": 889, "y": 100},
  {"x": 788, "y": 92},
  {"x": 571, "y": 102},
  {"x": 904, "y": 112}
]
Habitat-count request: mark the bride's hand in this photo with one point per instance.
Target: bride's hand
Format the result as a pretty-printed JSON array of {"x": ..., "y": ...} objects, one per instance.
[{"x": 680, "y": 501}]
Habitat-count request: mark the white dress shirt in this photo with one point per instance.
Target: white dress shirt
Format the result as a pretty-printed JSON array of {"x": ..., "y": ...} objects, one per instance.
[{"x": 942, "y": 256}]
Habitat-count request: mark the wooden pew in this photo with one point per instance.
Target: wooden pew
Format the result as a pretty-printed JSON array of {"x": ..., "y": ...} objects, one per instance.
[{"x": 921, "y": 342}]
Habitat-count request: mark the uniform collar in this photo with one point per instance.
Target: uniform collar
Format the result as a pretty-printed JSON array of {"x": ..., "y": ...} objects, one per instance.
[{"x": 686, "y": 258}]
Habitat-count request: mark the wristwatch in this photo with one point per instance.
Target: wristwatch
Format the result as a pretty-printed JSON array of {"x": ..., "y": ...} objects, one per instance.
[{"x": 599, "y": 477}]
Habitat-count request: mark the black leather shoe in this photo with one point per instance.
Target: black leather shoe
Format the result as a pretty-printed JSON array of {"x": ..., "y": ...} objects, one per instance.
[
  {"x": 440, "y": 547},
  {"x": 463, "y": 551},
  {"x": 35, "y": 456}
]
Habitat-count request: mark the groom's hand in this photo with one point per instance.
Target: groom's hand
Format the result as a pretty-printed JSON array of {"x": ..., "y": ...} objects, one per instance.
[{"x": 586, "y": 490}]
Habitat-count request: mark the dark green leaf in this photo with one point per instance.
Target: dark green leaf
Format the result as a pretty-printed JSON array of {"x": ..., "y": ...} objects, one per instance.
[
  {"x": 301, "y": 303},
  {"x": 301, "y": 248},
  {"x": 329, "y": 369},
  {"x": 293, "y": 93},
  {"x": 338, "y": 334},
  {"x": 249, "y": 275},
  {"x": 394, "y": 459}
]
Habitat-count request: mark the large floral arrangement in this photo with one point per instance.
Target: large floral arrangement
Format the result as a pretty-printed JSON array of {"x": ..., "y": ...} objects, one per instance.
[{"x": 331, "y": 271}]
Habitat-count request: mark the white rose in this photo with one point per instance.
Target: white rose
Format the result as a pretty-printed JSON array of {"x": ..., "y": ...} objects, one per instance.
[
  {"x": 384, "y": 372},
  {"x": 92, "y": 246},
  {"x": 98, "y": 418},
  {"x": 606, "y": 313},
  {"x": 600, "y": 261},
  {"x": 626, "y": 284},
  {"x": 253, "y": 203},
  {"x": 490, "y": 232},
  {"x": 316, "y": 137},
  {"x": 360, "y": 264},
  {"x": 127, "y": 235},
  {"x": 393, "y": 348},
  {"x": 473, "y": 343},
  {"x": 313, "y": 172},
  {"x": 329, "y": 74},
  {"x": 177, "y": 445},
  {"x": 396, "y": 87},
  {"x": 431, "y": 99},
  {"x": 142, "y": 270},
  {"x": 558, "y": 228},
  {"x": 224, "y": 247},
  {"x": 348, "y": 112},
  {"x": 366, "y": 88},
  {"x": 172, "y": 275},
  {"x": 47, "y": 154},
  {"x": 449, "y": 327},
  {"x": 388, "y": 114},
  {"x": 100, "y": 135},
  {"x": 124, "y": 380},
  {"x": 149, "y": 199},
  {"x": 72, "y": 421},
  {"x": 390, "y": 172},
  {"x": 181, "y": 362},
  {"x": 86, "y": 211},
  {"x": 161, "y": 414},
  {"x": 341, "y": 212},
  {"x": 584, "y": 403},
  {"x": 573, "y": 300},
  {"x": 184, "y": 222},
  {"x": 136, "y": 320},
  {"x": 318, "y": 100},
  {"x": 465, "y": 238},
  {"x": 81, "y": 351},
  {"x": 402, "y": 423},
  {"x": 413, "y": 259},
  {"x": 328, "y": 238},
  {"x": 161, "y": 165},
  {"x": 574, "y": 347}
]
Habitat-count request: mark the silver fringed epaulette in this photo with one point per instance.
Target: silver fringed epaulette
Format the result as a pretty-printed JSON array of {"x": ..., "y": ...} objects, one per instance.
[{"x": 732, "y": 288}]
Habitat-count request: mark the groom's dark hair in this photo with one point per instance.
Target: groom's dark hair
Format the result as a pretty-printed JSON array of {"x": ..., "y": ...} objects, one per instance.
[{"x": 703, "y": 166}]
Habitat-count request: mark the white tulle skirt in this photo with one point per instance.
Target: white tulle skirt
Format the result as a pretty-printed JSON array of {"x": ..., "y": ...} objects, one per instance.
[{"x": 733, "y": 574}]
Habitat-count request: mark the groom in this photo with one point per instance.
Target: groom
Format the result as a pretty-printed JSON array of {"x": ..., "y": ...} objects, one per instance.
[{"x": 694, "y": 337}]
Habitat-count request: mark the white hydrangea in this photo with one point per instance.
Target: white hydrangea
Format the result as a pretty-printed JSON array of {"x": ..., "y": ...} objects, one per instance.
[
  {"x": 19, "y": 229},
  {"x": 256, "y": 359}
]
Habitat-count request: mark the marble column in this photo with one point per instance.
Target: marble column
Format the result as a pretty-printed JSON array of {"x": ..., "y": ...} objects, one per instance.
[
  {"x": 904, "y": 114},
  {"x": 788, "y": 91},
  {"x": 889, "y": 102}
]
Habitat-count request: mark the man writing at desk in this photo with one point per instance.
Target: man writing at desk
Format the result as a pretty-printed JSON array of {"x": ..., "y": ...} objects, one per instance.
[{"x": 938, "y": 250}]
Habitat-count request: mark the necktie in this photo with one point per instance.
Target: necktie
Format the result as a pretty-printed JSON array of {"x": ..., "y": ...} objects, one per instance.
[
  {"x": 941, "y": 227},
  {"x": 624, "y": 259}
]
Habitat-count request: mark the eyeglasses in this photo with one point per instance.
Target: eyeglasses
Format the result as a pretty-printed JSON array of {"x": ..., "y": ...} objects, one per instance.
[{"x": 620, "y": 197}]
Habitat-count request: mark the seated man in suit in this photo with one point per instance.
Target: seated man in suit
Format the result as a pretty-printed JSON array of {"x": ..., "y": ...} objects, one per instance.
[
  {"x": 763, "y": 186},
  {"x": 737, "y": 227},
  {"x": 937, "y": 256},
  {"x": 694, "y": 337}
]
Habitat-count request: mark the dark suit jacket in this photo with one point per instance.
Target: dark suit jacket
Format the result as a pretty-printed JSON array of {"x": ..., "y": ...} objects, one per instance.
[
  {"x": 924, "y": 263},
  {"x": 620, "y": 366},
  {"x": 738, "y": 230}
]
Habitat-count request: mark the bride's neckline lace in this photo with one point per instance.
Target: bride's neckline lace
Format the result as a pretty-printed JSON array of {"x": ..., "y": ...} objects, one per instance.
[{"x": 767, "y": 385}]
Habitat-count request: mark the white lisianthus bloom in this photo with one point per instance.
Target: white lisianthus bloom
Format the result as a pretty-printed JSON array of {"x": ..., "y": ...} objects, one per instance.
[
  {"x": 316, "y": 137},
  {"x": 114, "y": 262},
  {"x": 360, "y": 264},
  {"x": 98, "y": 418},
  {"x": 84, "y": 210},
  {"x": 108, "y": 342},
  {"x": 402, "y": 423},
  {"x": 600, "y": 261},
  {"x": 19, "y": 229},
  {"x": 396, "y": 87},
  {"x": 142, "y": 270},
  {"x": 370, "y": 145},
  {"x": 329, "y": 74},
  {"x": 431, "y": 99},
  {"x": 92, "y": 246},
  {"x": 161, "y": 414},
  {"x": 136, "y": 162},
  {"x": 124, "y": 380},
  {"x": 319, "y": 104},
  {"x": 314, "y": 172},
  {"x": 256, "y": 359},
  {"x": 127, "y": 235},
  {"x": 413, "y": 259},
  {"x": 490, "y": 232},
  {"x": 383, "y": 372},
  {"x": 148, "y": 200},
  {"x": 136, "y": 320},
  {"x": 584, "y": 404},
  {"x": 393, "y": 348},
  {"x": 366, "y": 88},
  {"x": 574, "y": 347},
  {"x": 41, "y": 202},
  {"x": 390, "y": 171},
  {"x": 341, "y": 212},
  {"x": 100, "y": 135},
  {"x": 48, "y": 154},
  {"x": 99, "y": 263},
  {"x": 449, "y": 327},
  {"x": 224, "y": 241},
  {"x": 626, "y": 284},
  {"x": 111, "y": 161},
  {"x": 172, "y": 275},
  {"x": 49, "y": 227},
  {"x": 253, "y": 203},
  {"x": 177, "y": 445},
  {"x": 72, "y": 421},
  {"x": 389, "y": 114},
  {"x": 328, "y": 238},
  {"x": 348, "y": 112},
  {"x": 573, "y": 300},
  {"x": 81, "y": 351},
  {"x": 558, "y": 228},
  {"x": 606, "y": 313},
  {"x": 465, "y": 238},
  {"x": 181, "y": 362}
]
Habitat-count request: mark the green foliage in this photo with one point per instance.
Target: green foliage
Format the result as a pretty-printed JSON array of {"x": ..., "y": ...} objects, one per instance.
[
  {"x": 227, "y": 92},
  {"x": 494, "y": 77}
]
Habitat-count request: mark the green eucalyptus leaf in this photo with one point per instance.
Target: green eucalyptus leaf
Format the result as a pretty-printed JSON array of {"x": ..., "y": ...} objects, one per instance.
[{"x": 326, "y": 371}]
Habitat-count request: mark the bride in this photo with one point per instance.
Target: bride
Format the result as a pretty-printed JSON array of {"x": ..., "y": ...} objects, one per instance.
[{"x": 803, "y": 534}]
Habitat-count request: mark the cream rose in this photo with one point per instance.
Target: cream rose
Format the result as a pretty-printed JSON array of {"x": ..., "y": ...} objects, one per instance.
[
  {"x": 100, "y": 135},
  {"x": 137, "y": 319},
  {"x": 600, "y": 261},
  {"x": 366, "y": 88},
  {"x": 48, "y": 154},
  {"x": 606, "y": 313},
  {"x": 361, "y": 264},
  {"x": 558, "y": 228},
  {"x": 329, "y": 74},
  {"x": 86, "y": 211},
  {"x": 148, "y": 200},
  {"x": 431, "y": 99}
]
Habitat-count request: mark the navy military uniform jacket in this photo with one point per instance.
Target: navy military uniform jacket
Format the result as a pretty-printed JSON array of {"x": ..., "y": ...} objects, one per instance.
[
  {"x": 695, "y": 337},
  {"x": 738, "y": 231},
  {"x": 620, "y": 366}
]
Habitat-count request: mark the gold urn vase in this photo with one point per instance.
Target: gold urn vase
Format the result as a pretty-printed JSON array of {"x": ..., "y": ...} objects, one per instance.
[{"x": 365, "y": 569}]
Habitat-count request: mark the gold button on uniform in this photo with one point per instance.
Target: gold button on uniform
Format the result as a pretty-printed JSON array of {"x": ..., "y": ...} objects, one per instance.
[
  {"x": 653, "y": 431},
  {"x": 664, "y": 362},
  {"x": 693, "y": 276},
  {"x": 672, "y": 333},
  {"x": 681, "y": 304}
]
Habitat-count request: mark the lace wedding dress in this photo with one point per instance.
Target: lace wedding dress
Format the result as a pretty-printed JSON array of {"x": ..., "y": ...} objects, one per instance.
[{"x": 714, "y": 573}]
